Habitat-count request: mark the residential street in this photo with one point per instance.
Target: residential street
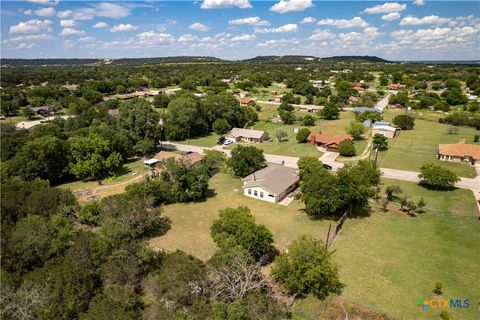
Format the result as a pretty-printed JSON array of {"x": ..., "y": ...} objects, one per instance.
[{"x": 329, "y": 158}]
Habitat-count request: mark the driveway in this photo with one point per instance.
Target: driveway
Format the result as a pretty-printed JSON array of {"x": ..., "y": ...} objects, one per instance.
[{"x": 382, "y": 103}]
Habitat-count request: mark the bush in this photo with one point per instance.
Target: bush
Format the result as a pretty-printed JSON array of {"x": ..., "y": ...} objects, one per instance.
[
  {"x": 308, "y": 121},
  {"x": 438, "y": 288},
  {"x": 303, "y": 134},
  {"x": 346, "y": 148},
  {"x": 404, "y": 121}
]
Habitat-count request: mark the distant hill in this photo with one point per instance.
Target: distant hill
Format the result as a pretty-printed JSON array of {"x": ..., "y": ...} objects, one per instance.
[
  {"x": 354, "y": 59},
  {"x": 282, "y": 59},
  {"x": 123, "y": 61}
]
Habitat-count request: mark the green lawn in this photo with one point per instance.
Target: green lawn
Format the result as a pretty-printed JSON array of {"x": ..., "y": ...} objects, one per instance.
[
  {"x": 205, "y": 141},
  {"x": 289, "y": 146},
  {"x": 391, "y": 260},
  {"x": 388, "y": 260},
  {"x": 412, "y": 148}
]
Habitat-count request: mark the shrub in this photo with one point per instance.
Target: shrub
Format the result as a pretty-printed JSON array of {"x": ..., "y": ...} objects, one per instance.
[
  {"x": 346, "y": 148},
  {"x": 303, "y": 134}
]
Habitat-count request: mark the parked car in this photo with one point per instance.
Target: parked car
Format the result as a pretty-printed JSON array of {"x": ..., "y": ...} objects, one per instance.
[
  {"x": 227, "y": 142},
  {"x": 327, "y": 166},
  {"x": 221, "y": 141}
]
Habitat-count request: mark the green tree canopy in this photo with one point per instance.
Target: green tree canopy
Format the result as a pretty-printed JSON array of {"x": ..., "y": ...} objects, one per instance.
[
  {"x": 246, "y": 160},
  {"x": 237, "y": 227},
  {"x": 308, "y": 268},
  {"x": 437, "y": 176}
]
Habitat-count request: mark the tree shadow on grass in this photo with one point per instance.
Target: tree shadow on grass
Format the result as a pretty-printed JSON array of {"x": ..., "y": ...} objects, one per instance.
[{"x": 433, "y": 188}]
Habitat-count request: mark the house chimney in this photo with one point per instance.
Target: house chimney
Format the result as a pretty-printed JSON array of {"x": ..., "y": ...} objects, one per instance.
[{"x": 254, "y": 177}]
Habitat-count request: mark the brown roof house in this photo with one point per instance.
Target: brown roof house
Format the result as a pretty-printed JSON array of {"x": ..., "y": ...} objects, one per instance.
[
  {"x": 331, "y": 143},
  {"x": 248, "y": 135},
  {"x": 272, "y": 183},
  {"x": 190, "y": 159},
  {"x": 459, "y": 151}
]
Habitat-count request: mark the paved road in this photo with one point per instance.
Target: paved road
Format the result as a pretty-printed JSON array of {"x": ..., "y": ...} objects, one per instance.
[
  {"x": 295, "y": 105},
  {"x": 403, "y": 175},
  {"x": 382, "y": 103}
]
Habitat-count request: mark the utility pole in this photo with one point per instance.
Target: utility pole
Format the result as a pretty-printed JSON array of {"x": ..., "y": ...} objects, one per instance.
[{"x": 376, "y": 155}]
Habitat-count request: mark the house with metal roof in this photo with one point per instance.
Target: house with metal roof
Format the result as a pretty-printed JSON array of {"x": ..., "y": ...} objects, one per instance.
[{"x": 272, "y": 183}]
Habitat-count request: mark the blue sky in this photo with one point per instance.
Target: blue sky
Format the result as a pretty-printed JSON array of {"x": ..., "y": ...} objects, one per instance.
[{"x": 233, "y": 29}]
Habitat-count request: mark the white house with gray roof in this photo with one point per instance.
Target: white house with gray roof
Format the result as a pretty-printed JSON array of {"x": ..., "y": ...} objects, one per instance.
[
  {"x": 248, "y": 135},
  {"x": 271, "y": 184}
]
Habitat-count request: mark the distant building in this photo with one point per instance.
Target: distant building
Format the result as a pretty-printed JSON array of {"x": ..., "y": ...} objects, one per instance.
[
  {"x": 353, "y": 100},
  {"x": 171, "y": 91},
  {"x": 249, "y": 135},
  {"x": 246, "y": 102},
  {"x": 396, "y": 86},
  {"x": 271, "y": 184},
  {"x": 459, "y": 151},
  {"x": 384, "y": 129},
  {"x": 189, "y": 159},
  {"x": 359, "y": 89}
]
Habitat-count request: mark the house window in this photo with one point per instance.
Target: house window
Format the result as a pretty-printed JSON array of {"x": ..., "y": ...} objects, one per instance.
[
  {"x": 255, "y": 193},
  {"x": 261, "y": 194},
  {"x": 250, "y": 191}
]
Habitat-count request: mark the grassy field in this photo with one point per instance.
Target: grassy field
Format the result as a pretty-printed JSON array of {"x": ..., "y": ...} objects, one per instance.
[
  {"x": 388, "y": 260},
  {"x": 289, "y": 146},
  {"x": 205, "y": 141},
  {"x": 132, "y": 171},
  {"x": 412, "y": 148}
]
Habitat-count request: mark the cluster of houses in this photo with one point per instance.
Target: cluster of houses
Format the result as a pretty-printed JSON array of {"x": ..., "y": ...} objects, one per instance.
[{"x": 358, "y": 86}]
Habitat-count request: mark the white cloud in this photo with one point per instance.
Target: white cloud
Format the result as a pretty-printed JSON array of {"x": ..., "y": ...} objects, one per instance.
[
  {"x": 25, "y": 46},
  {"x": 100, "y": 25},
  {"x": 68, "y": 23},
  {"x": 199, "y": 27},
  {"x": 321, "y": 35},
  {"x": 387, "y": 7},
  {"x": 32, "y": 26},
  {"x": 152, "y": 38},
  {"x": 291, "y": 27},
  {"x": 45, "y": 12},
  {"x": 244, "y": 37},
  {"x": 32, "y": 37},
  {"x": 458, "y": 39},
  {"x": 45, "y": 2},
  {"x": 253, "y": 21},
  {"x": 391, "y": 16},
  {"x": 285, "y": 6},
  {"x": 27, "y": 12},
  {"x": 71, "y": 32},
  {"x": 187, "y": 38},
  {"x": 356, "y": 22},
  {"x": 221, "y": 4},
  {"x": 419, "y": 2},
  {"x": 111, "y": 10},
  {"x": 308, "y": 20},
  {"x": 123, "y": 27},
  {"x": 103, "y": 9},
  {"x": 414, "y": 21},
  {"x": 64, "y": 14},
  {"x": 277, "y": 43}
]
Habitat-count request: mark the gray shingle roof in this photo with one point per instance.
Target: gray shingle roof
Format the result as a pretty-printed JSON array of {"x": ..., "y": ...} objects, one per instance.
[
  {"x": 274, "y": 178},
  {"x": 247, "y": 133}
]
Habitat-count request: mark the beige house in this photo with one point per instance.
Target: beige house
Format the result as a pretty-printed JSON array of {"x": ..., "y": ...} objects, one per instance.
[
  {"x": 459, "y": 151},
  {"x": 249, "y": 135},
  {"x": 271, "y": 184}
]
